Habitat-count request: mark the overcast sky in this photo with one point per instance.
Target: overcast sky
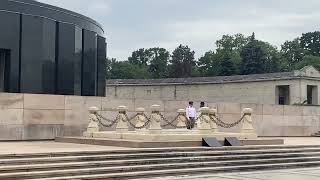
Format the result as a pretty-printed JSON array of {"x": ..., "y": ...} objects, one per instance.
[{"x": 133, "y": 24}]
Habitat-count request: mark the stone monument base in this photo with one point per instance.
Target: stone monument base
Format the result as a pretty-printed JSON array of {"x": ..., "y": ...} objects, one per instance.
[
  {"x": 159, "y": 144},
  {"x": 168, "y": 135},
  {"x": 165, "y": 138}
]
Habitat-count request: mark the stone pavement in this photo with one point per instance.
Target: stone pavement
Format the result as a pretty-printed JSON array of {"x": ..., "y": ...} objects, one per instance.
[
  {"x": 47, "y": 147},
  {"x": 292, "y": 174},
  {"x": 51, "y": 146}
]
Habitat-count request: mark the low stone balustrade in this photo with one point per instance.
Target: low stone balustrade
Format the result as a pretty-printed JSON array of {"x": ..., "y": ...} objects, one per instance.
[{"x": 208, "y": 123}]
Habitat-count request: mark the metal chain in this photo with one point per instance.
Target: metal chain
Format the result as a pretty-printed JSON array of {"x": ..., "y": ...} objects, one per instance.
[
  {"x": 133, "y": 125},
  {"x": 220, "y": 123},
  {"x": 199, "y": 117},
  {"x": 111, "y": 123},
  {"x": 170, "y": 123}
]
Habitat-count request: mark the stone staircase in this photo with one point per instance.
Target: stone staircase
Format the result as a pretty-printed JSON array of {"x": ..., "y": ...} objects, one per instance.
[{"x": 139, "y": 163}]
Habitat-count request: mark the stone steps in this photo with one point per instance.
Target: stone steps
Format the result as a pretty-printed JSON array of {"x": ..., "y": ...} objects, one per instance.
[
  {"x": 72, "y": 165},
  {"x": 191, "y": 154},
  {"x": 190, "y": 171},
  {"x": 150, "y": 150},
  {"x": 125, "y": 164}
]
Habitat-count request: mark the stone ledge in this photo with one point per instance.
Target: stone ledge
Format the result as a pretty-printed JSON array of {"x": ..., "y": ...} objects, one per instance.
[{"x": 155, "y": 144}]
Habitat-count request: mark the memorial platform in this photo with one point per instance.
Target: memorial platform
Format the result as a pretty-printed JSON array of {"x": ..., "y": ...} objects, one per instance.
[{"x": 130, "y": 143}]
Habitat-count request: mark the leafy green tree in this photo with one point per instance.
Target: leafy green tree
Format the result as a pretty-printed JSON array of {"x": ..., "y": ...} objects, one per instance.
[
  {"x": 182, "y": 61},
  {"x": 232, "y": 43},
  {"x": 226, "y": 66},
  {"x": 271, "y": 61},
  {"x": 159, "y": 62},
  {"x": 207, "y": 64},
  {"x": 140, "y": 57},
  {"x": 309, "y": 61},
  {"x": 291, "y": 54},
  {"x": 253, "y": 57},
  {"x": 311, "y": 43},
  {"x": 126, "y": 70}
]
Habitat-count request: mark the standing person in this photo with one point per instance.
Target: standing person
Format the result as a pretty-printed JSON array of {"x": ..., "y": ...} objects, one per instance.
[
  {"x": 197, "y": 123},
  {"x": 202, "y": 104},
  {"x": 191, "y": 115}
]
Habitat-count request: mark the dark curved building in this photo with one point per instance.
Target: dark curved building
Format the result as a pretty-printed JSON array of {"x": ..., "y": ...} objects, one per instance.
[{"x": 49, "y": 50}]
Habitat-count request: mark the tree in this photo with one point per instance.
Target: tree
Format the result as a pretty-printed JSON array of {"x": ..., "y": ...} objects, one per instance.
[
  {"x": 253, "y": 57},
  {"x": 272, "y": 58},
  {"x": 182, "y": 61},
  {"x": 226, "y": 67},
  {"x": 140, "y": 57},
  {"x": 126, "y": 70},
  {"x": 231, "y": 43},
  {"x": 311, "y": 43},
  {"x": 207, "y": 64},
  {"x": 309, "y": 61},
  {"x": 159, "y": 62},
  {"x": 291, "y": 53}
]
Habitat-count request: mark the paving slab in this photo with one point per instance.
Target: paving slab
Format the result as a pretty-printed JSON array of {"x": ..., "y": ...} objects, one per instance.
[
  {"x": 291, "y": 174},
  {"x": 49, "y": 146}
]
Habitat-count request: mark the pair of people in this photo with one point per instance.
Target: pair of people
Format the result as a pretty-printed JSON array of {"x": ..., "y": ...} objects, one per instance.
[{"x": 191, "y": 114}]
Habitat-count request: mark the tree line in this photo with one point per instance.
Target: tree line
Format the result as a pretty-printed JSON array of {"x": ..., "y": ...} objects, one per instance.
[{"x": 234, "y": 55}]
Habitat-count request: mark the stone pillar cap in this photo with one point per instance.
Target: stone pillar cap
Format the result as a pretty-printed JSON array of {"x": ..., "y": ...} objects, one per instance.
[
  {"x": 93, "y": 109},
  {"x": 247, "y": 110},
  {"x": 155, "y": 107},
  {"x": 140, "y": 110},
  {"x": 122, "y": 108},
  {"x": 213, "y": 111},
  {"x": 204, "y": 110},
  {"x": 181, "y": 111}
]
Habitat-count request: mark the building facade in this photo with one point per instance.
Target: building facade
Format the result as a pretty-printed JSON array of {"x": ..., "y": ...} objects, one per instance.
[
  {"x": 49, "y": 50},
  {"x": 288, "y": 88}
]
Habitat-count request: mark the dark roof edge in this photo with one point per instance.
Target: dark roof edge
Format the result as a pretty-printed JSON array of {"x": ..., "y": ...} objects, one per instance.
[
  {"x": 204, "y": 83},
  {"x": 61, "y": 10}
]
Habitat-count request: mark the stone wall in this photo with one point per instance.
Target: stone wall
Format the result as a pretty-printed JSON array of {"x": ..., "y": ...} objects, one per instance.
[
  {"x": 259, "y": 92},
  {"x": 35, "y": 117}
]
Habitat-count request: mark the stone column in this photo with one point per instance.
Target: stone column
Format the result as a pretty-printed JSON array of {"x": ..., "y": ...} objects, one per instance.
[
  {"x": 122, "y": 124},
  {"x": 213, "y": 112},
  {"x": 93, "y": 122},
  {"x": 140, "y": 119},
  {"x": 182, "y": 119},
  {"x": 205, "y": 126},
  {"x": 155, "y": 120},
  {"x": 247, "y": 123}
]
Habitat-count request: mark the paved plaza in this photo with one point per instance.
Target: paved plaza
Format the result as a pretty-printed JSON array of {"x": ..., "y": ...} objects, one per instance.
[
  {"x": 51, "y": 146},
  {"x": 289, "y": 174},
  {"x": 292, "y": 174}
]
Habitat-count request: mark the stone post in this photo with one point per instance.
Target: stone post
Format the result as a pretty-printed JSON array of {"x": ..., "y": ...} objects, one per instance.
[
  {"x": 212, "y": 113},
  {"x": 155, "y": 120},
  {"x": 93, "y": 122},
  {"x": 182, "y": 119},
  {"x": 247, "y": 125},
  {"x": 122, "y": 124},
  {"x": 205, "y": 126},
  {"x": 140, "y": 119}
]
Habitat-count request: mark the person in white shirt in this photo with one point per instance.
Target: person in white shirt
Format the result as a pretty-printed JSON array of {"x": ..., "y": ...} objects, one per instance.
[{"x": 191, "y": 114}]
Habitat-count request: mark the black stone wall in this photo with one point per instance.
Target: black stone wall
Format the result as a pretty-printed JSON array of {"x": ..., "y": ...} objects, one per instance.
[{"x": 52, "y": 50}]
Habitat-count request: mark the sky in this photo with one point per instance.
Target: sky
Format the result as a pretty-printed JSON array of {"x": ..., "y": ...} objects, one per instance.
[{"x": 133, "y": 24}]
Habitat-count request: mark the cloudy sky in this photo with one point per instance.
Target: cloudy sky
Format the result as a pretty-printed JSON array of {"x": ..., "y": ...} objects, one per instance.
[{"x": 134, "y": 24}]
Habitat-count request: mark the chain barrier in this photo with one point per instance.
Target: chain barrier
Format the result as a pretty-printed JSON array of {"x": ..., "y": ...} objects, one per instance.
[
  {"x": 138, "y": 127},
  {"x": 109, "y": 123},
  {"x": 220, "y": 123},
  {"x": 171, "y": 123}
]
